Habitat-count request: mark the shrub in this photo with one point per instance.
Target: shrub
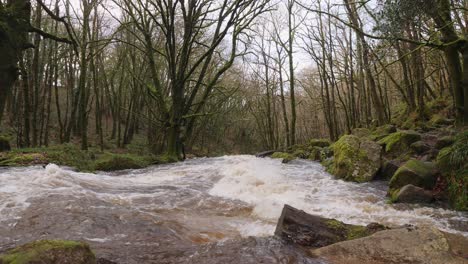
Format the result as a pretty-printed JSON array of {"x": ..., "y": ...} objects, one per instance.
[{"x": 453, "y": 162}]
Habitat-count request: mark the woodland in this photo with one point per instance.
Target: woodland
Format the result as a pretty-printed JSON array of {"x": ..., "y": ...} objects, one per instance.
[{"x": 226, "y": 76}]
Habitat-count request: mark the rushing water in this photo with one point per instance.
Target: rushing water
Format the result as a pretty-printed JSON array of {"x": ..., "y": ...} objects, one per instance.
[{"x": 171, "y": 213}]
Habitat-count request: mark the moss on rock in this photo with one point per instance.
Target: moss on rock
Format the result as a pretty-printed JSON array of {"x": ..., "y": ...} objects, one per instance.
[
  {"x": 315, "y": 153},
  {"x": 355, "y": 159},
  {"x": 50, "y": 252},
  {"x": 349, "y": 231},
  {"x": 398, "y": 143},
  {"x": 361, "y": 132},
  {"x": 415, "y": 172},
  {"x": 420, "y": 147},
  {"x": 444, "y": 142},
  {"x": 286, "y": 157},
  {"x": 439, "y": 120},
  {"x": 319, "y": 143},
  {"x": 114, "y": 162}
]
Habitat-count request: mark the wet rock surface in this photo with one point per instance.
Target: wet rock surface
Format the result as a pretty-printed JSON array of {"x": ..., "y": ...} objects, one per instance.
[
  {"x": 415, "y": 172},
  {"x": 416, "y": 245},
  {"x": 413, "y": 194},
  {"x": 306, "y": 230}
]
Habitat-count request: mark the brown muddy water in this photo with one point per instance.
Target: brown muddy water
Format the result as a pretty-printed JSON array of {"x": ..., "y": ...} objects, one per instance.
[{"x": 209, "y": 210}]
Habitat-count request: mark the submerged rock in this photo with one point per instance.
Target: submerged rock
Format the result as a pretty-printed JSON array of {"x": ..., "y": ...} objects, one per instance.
[
  {"x": 355, "y": 159},
  {"x": 50, "y": 252},
  {"x": 415, "y": 172},
  {"x": 265, "y": 154},
  {"x": 413, "y": 194},
  {"x": 297, "y": 227},
  {"x": 423, "y": 245}
]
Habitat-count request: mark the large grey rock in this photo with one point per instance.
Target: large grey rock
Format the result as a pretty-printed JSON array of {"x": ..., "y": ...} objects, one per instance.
[
  {"x": 413, "y": 194},
  {"x": 423, "y": 245}
]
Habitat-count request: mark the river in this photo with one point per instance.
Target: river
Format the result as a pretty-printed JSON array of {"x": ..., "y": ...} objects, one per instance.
[{"x": 207, "y": 210}]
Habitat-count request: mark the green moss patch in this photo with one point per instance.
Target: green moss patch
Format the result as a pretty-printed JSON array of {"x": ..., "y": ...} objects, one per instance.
[
  {"x": 415, "y": 172},
  {"x": 398, "y": 143},
  {"x": 355, "y": 159},
  {"x": 319, "y": 143},
  {"x": 50, "y": 251},
  {"x": 283, "y": 155},
  {"x": 348, "y": 231},
  {"x": 89, "y": 161},
  {"x": 114, "y": 162}
]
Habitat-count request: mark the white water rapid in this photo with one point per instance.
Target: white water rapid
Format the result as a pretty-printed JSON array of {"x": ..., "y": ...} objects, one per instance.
[{"x": 207, "y": 199}]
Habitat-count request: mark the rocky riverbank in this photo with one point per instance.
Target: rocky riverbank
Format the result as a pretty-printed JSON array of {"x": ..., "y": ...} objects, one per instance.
[{"x": 420, "y": 166}]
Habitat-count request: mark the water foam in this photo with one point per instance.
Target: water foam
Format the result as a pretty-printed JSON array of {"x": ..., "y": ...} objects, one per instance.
[
  {"x": 221, "y": 190},
  {"x": 267, "y": 185}
]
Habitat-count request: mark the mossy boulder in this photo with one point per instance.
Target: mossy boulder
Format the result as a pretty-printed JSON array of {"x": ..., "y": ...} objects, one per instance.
[
  {"x": 415, "y": 172},
  {"x": 412, "y": 194},
  {"x": 325, "y": 153},
  {"x": 301, "y": 153},
  {"x": 355, "y": 159},
  {"x": 439, "y": 120},
  {"x": 420, "y": 147},
  {"x": 286, "y": 157},
  {"x": 384, "y": 130},
  {"x": 388, "y": 169},
  {"x": 444, "y": 142},
  {"x": 315, "y": 153},
  {"x": 319, "y": 143},
  {"x": 116, "y": 162},
  {"x": 361, "y": 132},
  {"x": 399, "y": 142},
  {"x": 50, "y": 252},
  {"x": 4, "y": 144}
]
